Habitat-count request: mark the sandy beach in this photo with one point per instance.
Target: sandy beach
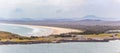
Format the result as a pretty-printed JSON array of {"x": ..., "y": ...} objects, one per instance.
[{"x": 56, "y": 30}]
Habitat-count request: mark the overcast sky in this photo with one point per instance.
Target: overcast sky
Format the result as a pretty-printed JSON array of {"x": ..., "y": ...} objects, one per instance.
[{"x": 59, "y": 8}]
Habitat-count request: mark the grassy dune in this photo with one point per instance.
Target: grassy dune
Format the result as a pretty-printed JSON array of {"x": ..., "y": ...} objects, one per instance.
[
  {"x": 8, "y": 35},
  {"x": 102, "y": 36}
]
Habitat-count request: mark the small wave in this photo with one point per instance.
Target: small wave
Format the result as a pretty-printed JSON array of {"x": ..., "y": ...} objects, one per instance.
[
  {"x": 40, "y": 31},
  {"x": 34, "y": 32}
]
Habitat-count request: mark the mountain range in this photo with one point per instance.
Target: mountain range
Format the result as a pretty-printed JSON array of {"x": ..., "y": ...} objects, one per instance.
[{"x": 85, "y": 18}]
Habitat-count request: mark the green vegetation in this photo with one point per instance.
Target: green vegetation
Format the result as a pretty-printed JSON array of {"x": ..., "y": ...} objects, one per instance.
[{"x": 7, "y": 36}]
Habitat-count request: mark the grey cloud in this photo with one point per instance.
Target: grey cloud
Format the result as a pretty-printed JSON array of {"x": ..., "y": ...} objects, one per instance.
[{"x": 65, "y": 9}]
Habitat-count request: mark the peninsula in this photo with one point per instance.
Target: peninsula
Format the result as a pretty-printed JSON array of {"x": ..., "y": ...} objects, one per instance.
[{"x": 59, "y": 35}]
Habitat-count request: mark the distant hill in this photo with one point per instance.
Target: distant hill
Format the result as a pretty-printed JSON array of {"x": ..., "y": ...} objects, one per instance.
[
  {"x": 20, "y": 19},
  {"x": 91, "y": 18},
  {"x": 85, "y": 18}
]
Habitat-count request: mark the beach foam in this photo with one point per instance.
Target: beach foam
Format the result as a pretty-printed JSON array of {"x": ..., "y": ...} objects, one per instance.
[
  {"x": 34, "y": 32},
  {"x": 44, "y": 30}
]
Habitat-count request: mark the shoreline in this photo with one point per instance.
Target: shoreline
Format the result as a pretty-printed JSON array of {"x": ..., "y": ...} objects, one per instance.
[
  {"x": 64, "y": 38},
  {"x": 40, "y": 42},
  {"x": 55, "y": 30}
]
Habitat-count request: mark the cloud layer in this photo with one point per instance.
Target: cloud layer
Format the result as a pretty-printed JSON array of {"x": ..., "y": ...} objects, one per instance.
[{"x": 59, "y": 8}]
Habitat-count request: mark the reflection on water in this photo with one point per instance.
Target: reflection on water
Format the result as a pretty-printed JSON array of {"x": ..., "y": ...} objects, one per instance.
[{"x": 84, "y": 47}]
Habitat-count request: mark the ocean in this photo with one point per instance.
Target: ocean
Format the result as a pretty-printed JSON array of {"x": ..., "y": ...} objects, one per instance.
[
  {"x": 25, "y": 30},
  {"x": 76, "y": 47}
]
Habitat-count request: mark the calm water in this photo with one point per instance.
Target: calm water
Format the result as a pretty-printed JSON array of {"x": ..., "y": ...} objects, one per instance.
[
  {"x": 111, "y": 47},
  {"x": 25, "y": 30}
]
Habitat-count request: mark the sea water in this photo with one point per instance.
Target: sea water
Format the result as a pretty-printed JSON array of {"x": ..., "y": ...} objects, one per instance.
[
  {"x": 77, "y": 47},
  {"x": 25, "y": 30}
]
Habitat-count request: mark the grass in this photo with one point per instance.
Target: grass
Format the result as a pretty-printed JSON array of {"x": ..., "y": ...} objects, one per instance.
[{"x": 100, "y": 35}]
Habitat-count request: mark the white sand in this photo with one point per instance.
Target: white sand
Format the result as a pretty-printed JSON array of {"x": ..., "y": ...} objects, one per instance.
[{"x": 56, "y": 30}]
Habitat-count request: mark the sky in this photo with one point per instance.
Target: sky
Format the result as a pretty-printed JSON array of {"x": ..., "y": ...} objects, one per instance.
[{"x": 106, "y": 9}]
